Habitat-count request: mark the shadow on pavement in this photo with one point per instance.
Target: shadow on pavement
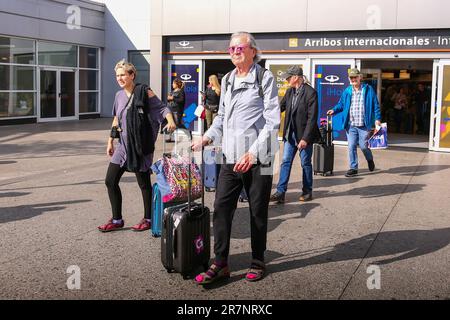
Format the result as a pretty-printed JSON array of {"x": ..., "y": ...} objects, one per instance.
[
  {"x": 241, "y": 221},
  {"x": 324, "y": 182},
  {"x": 7, "y": 162},
  {"x": 29, "y": 211},
  {"x": 405, "y": 244},
  {"x": 416, "y": 171},
  {"x": 13, "y": 194},
  {"x": 373, "y": 191},
  {"x": 240, "y": 262}
]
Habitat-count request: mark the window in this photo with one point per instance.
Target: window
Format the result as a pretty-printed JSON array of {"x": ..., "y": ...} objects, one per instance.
[
  {"x": 17, "y": 77},
  {"x": 88, "y": 58},
  {"x": 89, "y": 80},
  {"x": 17, "y": 104},
  {"x": 141, "y": 60},
  {"x": 18, "y": 51},
  {"x": 57, "y": 54}
]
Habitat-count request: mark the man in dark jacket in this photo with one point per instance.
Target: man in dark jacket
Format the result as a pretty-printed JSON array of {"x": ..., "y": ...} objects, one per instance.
[{"x": 300, "y": 132}]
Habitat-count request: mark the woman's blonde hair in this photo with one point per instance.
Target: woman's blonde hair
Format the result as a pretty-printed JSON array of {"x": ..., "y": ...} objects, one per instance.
[
  {"x": 127, "y": 66},
  {"x": 179, "y": 83},
  {"x": 215, "y": 82}
]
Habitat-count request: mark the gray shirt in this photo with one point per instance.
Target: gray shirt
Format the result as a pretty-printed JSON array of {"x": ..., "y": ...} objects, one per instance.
[
  {"x": 246, "y": 122},
  {"x": 158, "y": 112}
]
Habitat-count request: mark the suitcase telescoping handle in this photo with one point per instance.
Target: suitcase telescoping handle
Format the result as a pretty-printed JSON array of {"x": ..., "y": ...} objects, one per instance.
[
  {"x": 191, "y": 160},
  {"x": 329, "y": 130}
]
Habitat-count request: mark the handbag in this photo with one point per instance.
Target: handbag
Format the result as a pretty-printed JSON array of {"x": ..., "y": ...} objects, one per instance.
[
  {"x": 172, "y": 178},
  {"x": 379, "y": 139}
]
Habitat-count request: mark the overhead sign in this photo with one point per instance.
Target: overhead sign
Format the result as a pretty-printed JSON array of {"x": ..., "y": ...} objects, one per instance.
[{"x": 370, "y": 40}]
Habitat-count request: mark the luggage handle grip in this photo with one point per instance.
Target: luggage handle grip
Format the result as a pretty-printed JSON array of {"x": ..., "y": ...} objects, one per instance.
[{"x": 174, "y": 244}]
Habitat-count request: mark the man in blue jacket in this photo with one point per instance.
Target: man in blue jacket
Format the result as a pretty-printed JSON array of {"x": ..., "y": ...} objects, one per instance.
[{"x": 360, "y": 107}]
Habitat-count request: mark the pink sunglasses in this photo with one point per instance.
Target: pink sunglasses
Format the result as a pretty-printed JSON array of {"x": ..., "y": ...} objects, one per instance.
[{"x": 238, "y": 49}]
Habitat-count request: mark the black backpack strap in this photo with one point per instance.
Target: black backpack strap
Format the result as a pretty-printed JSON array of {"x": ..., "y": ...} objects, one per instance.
[
  {"x": 227, "y": 78},
  {"x": 259, "y": 77}
]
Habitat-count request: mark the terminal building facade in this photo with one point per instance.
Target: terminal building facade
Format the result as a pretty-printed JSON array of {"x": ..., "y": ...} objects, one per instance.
[{"x": 397, "y": 44}]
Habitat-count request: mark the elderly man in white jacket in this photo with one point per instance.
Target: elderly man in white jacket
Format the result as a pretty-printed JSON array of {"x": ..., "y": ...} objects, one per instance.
[{"x": 247, "y": 129}]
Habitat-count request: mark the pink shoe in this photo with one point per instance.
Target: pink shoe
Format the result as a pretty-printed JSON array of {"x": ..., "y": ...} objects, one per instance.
[
  {"x": 256, "y": 272},
  {"x": 142, "y": 226},
  {"x": 110, "y": 226}
]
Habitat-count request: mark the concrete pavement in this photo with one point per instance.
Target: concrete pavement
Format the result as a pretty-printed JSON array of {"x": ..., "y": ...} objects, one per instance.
[{"x": 53, "y": 197}]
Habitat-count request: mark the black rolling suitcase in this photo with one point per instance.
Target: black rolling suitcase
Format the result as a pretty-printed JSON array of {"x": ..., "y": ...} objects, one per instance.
[
  {"x": 323, "y": 152},
  {"x": 185, "y": 238}
]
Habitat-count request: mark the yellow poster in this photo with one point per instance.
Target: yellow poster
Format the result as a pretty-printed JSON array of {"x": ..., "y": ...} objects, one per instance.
[
  {"x": 445, "y": 110},
  {"x": 282, "y": 85}
]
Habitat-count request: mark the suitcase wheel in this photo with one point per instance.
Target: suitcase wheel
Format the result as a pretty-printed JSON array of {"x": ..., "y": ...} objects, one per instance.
[{"x": 169, "y": 270}]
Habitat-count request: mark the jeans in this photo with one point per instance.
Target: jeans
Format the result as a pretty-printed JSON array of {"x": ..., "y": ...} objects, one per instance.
[
  {"x": 358, "y": 136},
  {"x": 290, "y": 149}
]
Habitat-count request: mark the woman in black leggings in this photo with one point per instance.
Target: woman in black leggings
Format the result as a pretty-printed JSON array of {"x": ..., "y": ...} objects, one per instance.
[{"x": 135, "y": 106}]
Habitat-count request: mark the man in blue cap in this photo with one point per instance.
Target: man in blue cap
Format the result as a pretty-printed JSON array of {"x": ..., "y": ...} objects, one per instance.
[{"x": 360, "y": 107}]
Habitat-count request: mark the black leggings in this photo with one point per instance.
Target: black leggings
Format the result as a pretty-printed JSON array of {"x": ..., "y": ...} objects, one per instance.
[{"x": 115, "y": 172}]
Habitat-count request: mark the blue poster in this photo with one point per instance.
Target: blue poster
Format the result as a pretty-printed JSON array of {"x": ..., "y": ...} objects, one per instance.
[
  {"x": 189, "y": 74},
  {"x": 330, "y": 83}
]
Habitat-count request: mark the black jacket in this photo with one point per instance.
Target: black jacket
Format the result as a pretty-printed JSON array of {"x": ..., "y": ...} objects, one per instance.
[
  {"x": 179, "y": 98},
  {"x": 304, "y": 114},
  {"x": 140, "y": 133}
]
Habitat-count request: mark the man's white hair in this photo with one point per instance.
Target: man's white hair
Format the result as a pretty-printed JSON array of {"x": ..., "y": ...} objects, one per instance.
[{"x": 252, "y": 41}]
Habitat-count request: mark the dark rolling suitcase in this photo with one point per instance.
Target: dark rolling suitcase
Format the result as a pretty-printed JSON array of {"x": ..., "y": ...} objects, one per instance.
[
  {"x": 323, "y": 159},
  {"x": 185, "y": 238},
  {"x": 323, "y": 152}
]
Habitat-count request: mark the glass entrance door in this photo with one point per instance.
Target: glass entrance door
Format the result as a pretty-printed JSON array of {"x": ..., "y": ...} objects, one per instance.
[
  {"x": 67, "y": 94},
  {"x": 57, "y": 95},
  {"x": 440, "y": 107},
  {"x": 48, "y": 94}
]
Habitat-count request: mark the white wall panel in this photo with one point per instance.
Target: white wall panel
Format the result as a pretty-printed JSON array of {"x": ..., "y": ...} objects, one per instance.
[
  {"x": 268, "y": 15},
  {"x": 195, "y": 17},
  {"x": 419, "y": 14},
  {"x": 329, "y": 15}
]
